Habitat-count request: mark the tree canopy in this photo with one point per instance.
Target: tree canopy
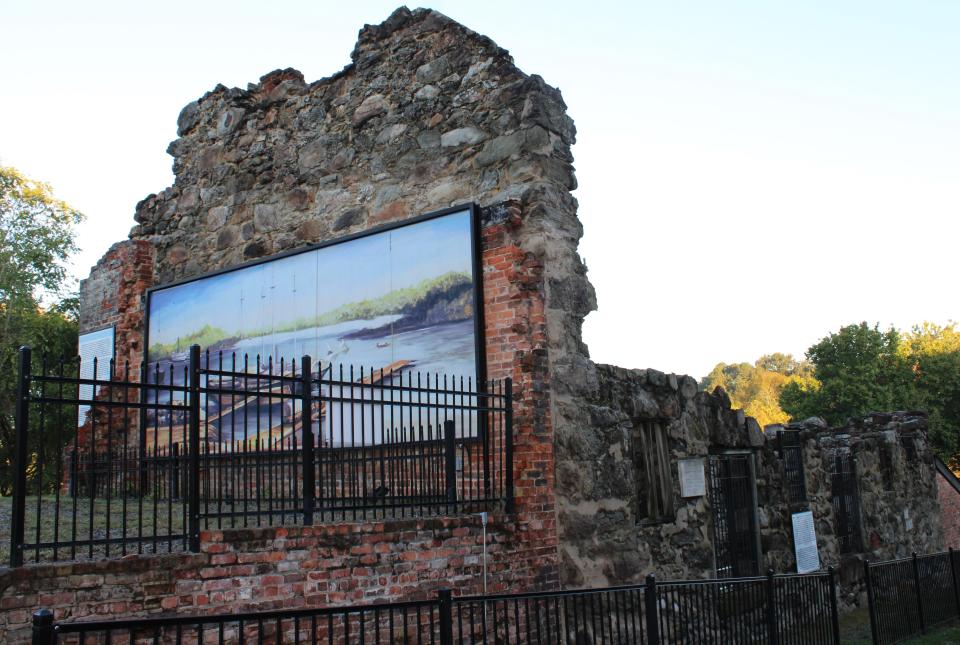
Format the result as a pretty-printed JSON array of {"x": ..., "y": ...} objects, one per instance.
[
  {"x": 756, "y": 388},
  {"x": 37, "y": 306},
  {"x": 858, "y": 369},
  {"x": 854, "y": 371}
]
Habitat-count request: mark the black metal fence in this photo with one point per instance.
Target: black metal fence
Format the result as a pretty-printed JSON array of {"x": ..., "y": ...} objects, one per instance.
[
  {"x": 108, "y": 465},
  {"x": 911, "y": 595},
  {"x": 406, "y": 623},
  {"x": 771, "y": 610}
]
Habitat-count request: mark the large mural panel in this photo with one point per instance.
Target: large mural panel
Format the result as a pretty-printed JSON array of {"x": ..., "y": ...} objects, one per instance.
[{"x": 401, "y": 299}]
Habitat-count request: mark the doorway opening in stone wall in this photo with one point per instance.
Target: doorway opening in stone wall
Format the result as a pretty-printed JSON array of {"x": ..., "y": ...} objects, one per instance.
[{"x": 733, "y": 497}]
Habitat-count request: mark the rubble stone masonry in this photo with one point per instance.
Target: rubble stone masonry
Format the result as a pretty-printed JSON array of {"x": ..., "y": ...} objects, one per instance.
[{"x": 427, "y": 115}]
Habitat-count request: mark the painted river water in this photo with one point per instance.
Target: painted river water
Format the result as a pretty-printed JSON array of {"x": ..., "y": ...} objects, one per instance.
[{"x": 445, "y": 350}]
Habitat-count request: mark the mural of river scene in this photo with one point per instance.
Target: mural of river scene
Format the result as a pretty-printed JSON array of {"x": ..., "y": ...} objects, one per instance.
[{"x": 401, "y": 300}]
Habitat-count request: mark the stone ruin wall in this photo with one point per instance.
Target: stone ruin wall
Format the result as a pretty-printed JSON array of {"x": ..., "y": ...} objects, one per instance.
[
  {"x": 602, "y": 544},
  {"x": 430, "y": 114}
]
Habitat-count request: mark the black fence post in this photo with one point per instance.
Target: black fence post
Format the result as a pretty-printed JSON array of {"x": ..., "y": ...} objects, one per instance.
[
  {"x": 142, "y": 430},
  {"x": 508, "y": 442},
  {"x": 21, "y": 428},
  {"x": 650, "y": 609},
  {"x": 874, "y": 631},
  {"x": 953, "y": 577},
  {"x": 834, "y": 609},
  {"x": 916, "y": 587},
  {"x": 74, "y": 473},
  {"x": 306, "y": 425},
  {"x": 773, "y": 636},
  {"x": 446, "y": 617},
  {"x": 42, "y": 628},
  {"x": 175, "y": 471},
  {"x": 450, "y": 459},
  {"x": 193, "y": 474}
]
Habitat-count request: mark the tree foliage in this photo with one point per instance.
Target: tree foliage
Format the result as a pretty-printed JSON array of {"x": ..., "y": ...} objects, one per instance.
[
  {"x": 858, "y": 370},
  {"x": 932, "y": 353},
  {"x": 861, "y": 369},
  {"x": 756, "y": 388},
  {"x": 36, "y": 306},
  {"x": 854, "y": 371}
]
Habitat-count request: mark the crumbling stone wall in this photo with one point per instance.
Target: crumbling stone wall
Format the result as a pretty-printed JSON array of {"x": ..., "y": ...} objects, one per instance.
[
  {"x": 602, "y": 543},
  {"x": 429, "y": 114}
]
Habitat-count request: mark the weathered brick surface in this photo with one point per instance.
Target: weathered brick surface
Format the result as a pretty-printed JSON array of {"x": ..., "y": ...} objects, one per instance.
[
  {"x": 949, "y": 512},
  {"x": 114, "y": 295},
  {"x": 282, "y": 567},
  {"x": 428, "y": 115}
]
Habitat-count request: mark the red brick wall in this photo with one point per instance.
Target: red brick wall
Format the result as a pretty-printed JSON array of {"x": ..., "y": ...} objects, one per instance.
[
  {"x": 118, "y": 284},
  {"x": 280, "y": 567},
  {"x": 949, "y": 512},
  {"x": 515, "y": 346},
  {"x": 347, "y": 562}
]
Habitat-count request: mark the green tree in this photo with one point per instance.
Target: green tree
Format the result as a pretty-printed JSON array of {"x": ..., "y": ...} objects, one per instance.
[
  {"x": 932, "y": 354},
  {"x": 36, "y": 306},
  {"x": 784, "y": 364},
  {"x": 756, "y": 388},
  {"x": 859, "y": 369}
]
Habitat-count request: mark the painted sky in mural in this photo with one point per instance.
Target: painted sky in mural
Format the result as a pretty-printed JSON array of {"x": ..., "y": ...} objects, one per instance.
[
  {"x": 401, "y": 299},
  {"x": 404, "y": 294}
]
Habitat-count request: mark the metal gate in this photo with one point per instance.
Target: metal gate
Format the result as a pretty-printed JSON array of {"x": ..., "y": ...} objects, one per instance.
[
  {"x": 846, "y": 503},
  {"x": 734, "y": 501}
]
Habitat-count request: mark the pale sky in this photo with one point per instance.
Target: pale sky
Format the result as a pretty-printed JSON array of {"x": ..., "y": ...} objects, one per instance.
[{"x": 752, "y": 175}]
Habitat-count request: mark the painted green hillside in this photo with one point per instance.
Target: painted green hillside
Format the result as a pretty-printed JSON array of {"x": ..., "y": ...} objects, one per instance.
[{"x": 399, "y": 301}]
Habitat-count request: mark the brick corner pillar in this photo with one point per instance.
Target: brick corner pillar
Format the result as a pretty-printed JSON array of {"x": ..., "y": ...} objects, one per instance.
[
  {"x": 516, "y": 341},
  {"x": 114, "y": 294}
]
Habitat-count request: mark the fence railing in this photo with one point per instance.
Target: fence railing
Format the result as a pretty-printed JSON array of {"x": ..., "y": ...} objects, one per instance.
[
  {"x": 406, "y": 623},
  {"x": 909, "y": 596},
  {"x": 110, "y": 465},
  {"x": 771, "y": 610}
]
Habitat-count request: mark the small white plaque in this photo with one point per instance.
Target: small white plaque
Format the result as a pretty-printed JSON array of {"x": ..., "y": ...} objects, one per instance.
[
  {"x": 93, "y": 345},
  {"x": 693, "y": 483},
  {"x": 805, "y": 542}
]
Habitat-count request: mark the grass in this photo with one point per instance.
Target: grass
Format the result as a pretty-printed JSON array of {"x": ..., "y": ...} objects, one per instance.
[
  {"x": 58, "y": 523},
  {"x": 945, "y": 635},
  {"x": 164, "y": 518},
  {"x": 855, "y": 630}
]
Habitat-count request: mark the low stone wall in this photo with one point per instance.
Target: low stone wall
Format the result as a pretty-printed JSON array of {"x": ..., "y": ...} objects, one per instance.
[
  {"x": 602, "y": 541},
  {"x": 897, "y": 492},
  {"x": 282, "y": 567}
]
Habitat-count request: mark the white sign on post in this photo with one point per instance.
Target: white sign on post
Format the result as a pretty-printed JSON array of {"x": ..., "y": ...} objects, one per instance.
[
  {"x": 805, "y": 542},
  {"x": 693, "y": 483}
]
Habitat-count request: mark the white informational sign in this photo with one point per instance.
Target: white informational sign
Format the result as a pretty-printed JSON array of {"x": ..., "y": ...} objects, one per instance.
[
  {"x": 805, "y": 542},
  {"x": 93, "y": 345},
  {"x": 693, "y": 482}
]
